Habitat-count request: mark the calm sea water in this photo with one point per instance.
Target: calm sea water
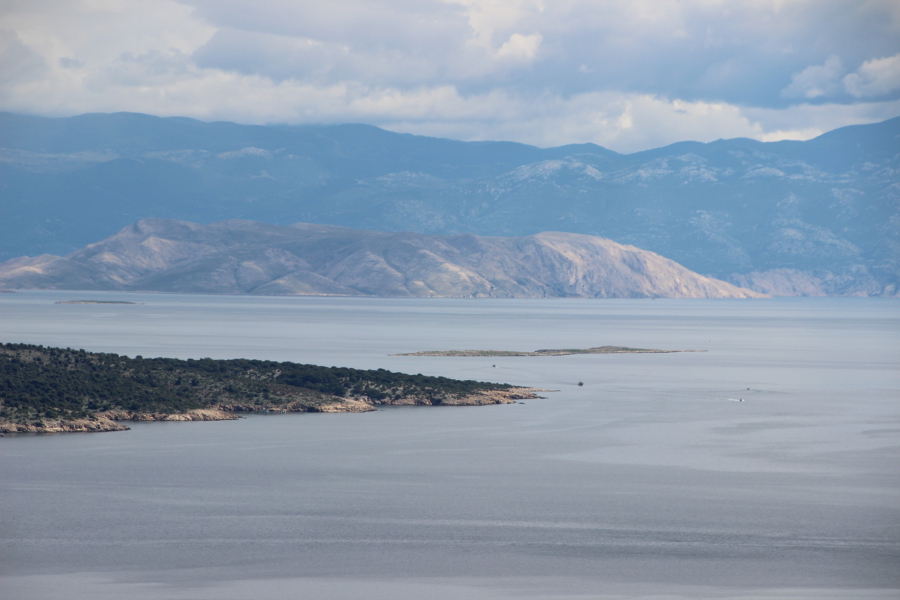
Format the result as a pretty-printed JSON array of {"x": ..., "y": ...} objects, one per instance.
[{"x": 650, "y": 480}]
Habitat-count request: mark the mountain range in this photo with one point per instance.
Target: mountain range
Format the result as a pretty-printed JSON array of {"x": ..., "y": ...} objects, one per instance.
[
  {"x": 818, "y": 217},
  {"x": 247, "y": 257}
]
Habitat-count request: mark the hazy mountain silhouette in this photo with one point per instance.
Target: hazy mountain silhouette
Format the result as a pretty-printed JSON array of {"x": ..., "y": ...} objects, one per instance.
[{"x": 814, "y": 217}]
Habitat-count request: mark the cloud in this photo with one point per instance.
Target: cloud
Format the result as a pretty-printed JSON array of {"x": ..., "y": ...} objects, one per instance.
[
  {"x": 875, "y": 78},
  {"x": 70, "y": 63},
  {"x": 817, "y": 80},
  {"x": 805, "y": 121},
  {"x": 520, "y": 47},
  {"x": 18, "y": 62},
  {"x": 624, "y": 122},
  {"x": 628, "y": 75}
]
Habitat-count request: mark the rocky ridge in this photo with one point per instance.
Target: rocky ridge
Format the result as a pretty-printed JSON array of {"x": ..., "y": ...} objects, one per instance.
[{"x": 247, "y": 257}]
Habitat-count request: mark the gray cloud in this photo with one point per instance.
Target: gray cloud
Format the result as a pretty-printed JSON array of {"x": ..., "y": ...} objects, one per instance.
[
  {"x": 746, "y": 53},
  {"x": 626, "y": 74},
  {"x": 366, "y": 25},
  {"x": 817, "y": 81},
  {"x": 70, "y": 63},
  {"x": 282, "y": 57},
  {"x": 18, "y": 62}
]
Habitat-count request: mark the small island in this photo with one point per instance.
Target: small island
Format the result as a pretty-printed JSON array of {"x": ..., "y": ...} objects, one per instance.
[
  {"x": 546, "y": 352},
  {"x": 48, "y": 390},
  {"x": 95, "y": 302}
]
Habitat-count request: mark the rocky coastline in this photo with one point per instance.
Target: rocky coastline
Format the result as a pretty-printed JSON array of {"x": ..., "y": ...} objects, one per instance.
[
  {"x": 55, "y": 390},
  {"x": 112, "y": 420},
  {"x": 63, "y": 426}
]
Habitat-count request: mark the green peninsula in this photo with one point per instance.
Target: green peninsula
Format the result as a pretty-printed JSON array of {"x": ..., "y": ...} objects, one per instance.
[
  {"x": 546, "y": 352},
  {"x": 45, "y": 390}
]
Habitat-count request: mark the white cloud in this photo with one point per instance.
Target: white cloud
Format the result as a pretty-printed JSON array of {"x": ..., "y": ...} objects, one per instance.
[
  {"x": 791, "y": 134},
  {"x": 875, "y": 78},
  {"x": 805, "y": 121},
  {"x": 489, "y": 18},
  {"x": 629, "y": 122},
  {"x": 97, "y": 31},
  {"x": 817, "y": 80},
  {"x": 520, "y": 47}
]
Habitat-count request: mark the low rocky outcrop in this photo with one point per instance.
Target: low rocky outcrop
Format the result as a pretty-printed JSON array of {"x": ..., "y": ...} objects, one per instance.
[
  {"x": 199, "y": 414},
  {"x": 509, "y": 396},
  {"x": 62, "y": 426}
]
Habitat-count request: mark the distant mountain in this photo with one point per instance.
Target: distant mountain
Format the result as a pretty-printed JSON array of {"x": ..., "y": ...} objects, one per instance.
[
  {"x": 246, "y": 257},
  {"x": 815, "y": 217}
]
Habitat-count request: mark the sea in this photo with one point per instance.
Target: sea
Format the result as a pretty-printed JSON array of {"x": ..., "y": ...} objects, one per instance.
[{"x": 765, "y": 466}]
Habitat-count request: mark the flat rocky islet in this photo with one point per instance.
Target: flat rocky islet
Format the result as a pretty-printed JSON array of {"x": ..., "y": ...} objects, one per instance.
[
  {"x": 48, "y": 390},
  {"x": 95, "y": 302},
  {"x": 545, "y": 352}
]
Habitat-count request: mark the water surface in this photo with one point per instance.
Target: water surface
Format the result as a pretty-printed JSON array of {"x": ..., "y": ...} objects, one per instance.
[{"x": 650, "y": 480}]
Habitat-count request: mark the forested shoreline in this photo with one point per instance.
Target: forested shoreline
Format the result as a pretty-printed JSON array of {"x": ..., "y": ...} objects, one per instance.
[{"x": 46, "y": 389}]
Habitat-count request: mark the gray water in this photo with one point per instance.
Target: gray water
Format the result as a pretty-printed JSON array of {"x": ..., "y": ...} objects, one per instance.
[{"x": 650, "y": 481}]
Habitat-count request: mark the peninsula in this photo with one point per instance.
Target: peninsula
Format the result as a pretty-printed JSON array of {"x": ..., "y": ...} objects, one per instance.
[
  {"x": 46, "y": 390},
  {"x": 545, "y": 352}
]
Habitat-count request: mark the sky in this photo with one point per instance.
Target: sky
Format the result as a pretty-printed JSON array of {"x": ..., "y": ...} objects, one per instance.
[{"x": 627, "y": 75}]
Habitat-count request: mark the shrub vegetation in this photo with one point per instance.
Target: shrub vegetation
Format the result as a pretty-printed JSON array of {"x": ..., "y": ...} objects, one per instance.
[{"x": 40, "y": 383}]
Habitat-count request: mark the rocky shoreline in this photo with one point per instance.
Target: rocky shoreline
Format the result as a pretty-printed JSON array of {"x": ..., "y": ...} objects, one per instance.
[
  {"x": 63, "y": 426},
  {"x": 50, "y": 390},
  {"x": 507, "y": 396},
  {"x": 112, "y": 420}
]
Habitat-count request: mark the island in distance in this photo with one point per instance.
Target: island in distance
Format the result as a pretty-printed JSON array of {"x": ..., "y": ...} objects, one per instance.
[
  {"x": 544, "y": 352},
  {"x": 50, "y": 390},
  {"x": 248, "y": 257}
]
